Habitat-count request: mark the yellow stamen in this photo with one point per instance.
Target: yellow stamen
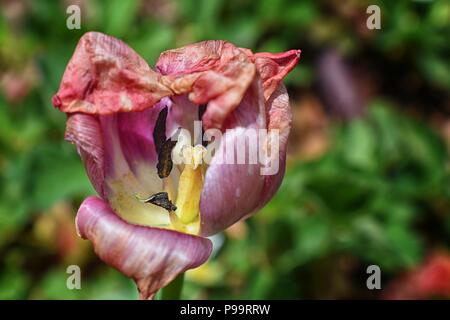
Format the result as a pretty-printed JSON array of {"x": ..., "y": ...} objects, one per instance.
[
  {"x": 190, "y": 185},
  {"x": 169, "y": 188},
  {"x": 176, "y": 223}
]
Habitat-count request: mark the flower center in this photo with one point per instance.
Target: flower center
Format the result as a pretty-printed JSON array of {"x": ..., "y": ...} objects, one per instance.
[
  {"x": 185, "y": 214},
  {"x": 166, "y": 195}
]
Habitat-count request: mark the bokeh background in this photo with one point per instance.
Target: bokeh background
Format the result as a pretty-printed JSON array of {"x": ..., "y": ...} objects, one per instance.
[{"x": 368, "y": 179}]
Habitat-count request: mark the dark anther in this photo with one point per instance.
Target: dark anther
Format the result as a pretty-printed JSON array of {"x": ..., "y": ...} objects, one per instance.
[
  {"x": 201, "y": 111},
  {"x": 163, "y": 146},
  {"x": 159, "y": 133},
  {"x": 161, "y": 199},
  {"x": 165, "y": 163}
]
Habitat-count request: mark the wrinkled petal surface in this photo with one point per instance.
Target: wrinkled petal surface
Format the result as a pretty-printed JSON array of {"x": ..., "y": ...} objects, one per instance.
[
  {"x": 153, "y": 257},
  {"x": 105, "y": 76},
  {"x": 273, "y": 67},
  {"x": 214, "y": 72},
  {"x": 279, "y": 118}
]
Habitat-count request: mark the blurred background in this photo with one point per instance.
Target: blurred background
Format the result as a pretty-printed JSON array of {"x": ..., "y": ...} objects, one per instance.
[{"x": 368, "y": 178}]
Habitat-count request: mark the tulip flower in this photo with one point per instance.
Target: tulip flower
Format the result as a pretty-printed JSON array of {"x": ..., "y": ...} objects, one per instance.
[{"x": 152, "y": 217}]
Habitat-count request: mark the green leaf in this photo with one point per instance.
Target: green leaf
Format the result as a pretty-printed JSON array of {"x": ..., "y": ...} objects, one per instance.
[
  {"x": 58, "y": 173},
  {"x": 120, "y": 16}
]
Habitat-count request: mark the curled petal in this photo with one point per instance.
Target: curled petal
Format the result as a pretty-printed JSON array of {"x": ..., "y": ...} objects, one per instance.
[
  {"x": 152, "y": 257},
  {"x": 214, "y": 72},
  {"x": 84, "y": 131},
  {"x": 273, "y": 67},
  {"x": 196, "y": 57},
  {"x": 105, "y": 76}
]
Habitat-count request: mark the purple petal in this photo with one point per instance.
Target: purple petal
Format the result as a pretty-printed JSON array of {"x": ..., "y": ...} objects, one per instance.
[
  {"x": 135, "y": 130},
  {"x": 152, "y": 257},
  {"x": 119, "y": 154},
  {"x": 243, "y": 189},
  {"x": 182, "y": 113},
  {"x": 280, "y": 118},
  {"x": 84, "y": 131},
  {"x": 118, "y": 147},
  {"x": 130, "y": 171},
  {"x": 232, "y": 191}
]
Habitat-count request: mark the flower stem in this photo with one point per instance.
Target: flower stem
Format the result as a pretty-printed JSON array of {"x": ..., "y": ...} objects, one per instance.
[{"x": 173, "y": 290}]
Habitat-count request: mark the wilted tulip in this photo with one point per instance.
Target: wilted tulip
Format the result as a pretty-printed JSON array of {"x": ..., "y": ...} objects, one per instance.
[{"x": 153, "y": 215}]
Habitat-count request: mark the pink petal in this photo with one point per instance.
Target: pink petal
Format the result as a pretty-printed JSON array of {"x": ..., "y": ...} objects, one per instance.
[
  {"x": 135, "y": 131},
  {"x": 243, "y": 189},
  {"x": 105, "y": 76},
  {"x": 280, "y": 118},
  {"x": 130, "y": 159},
  {"x": 273, "y": 67},
  {"x": 119, "y": 154},
  {"x": 232, "y": 191},
  {"x": 84, "y": 131},
  {"x": 115, "y": 144},
  {"x": 214, "y": 72},
  {"x": 152, "y": 257},
  {"x": 218, "y": 73},
  {"x": 182, "y": 114}
]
